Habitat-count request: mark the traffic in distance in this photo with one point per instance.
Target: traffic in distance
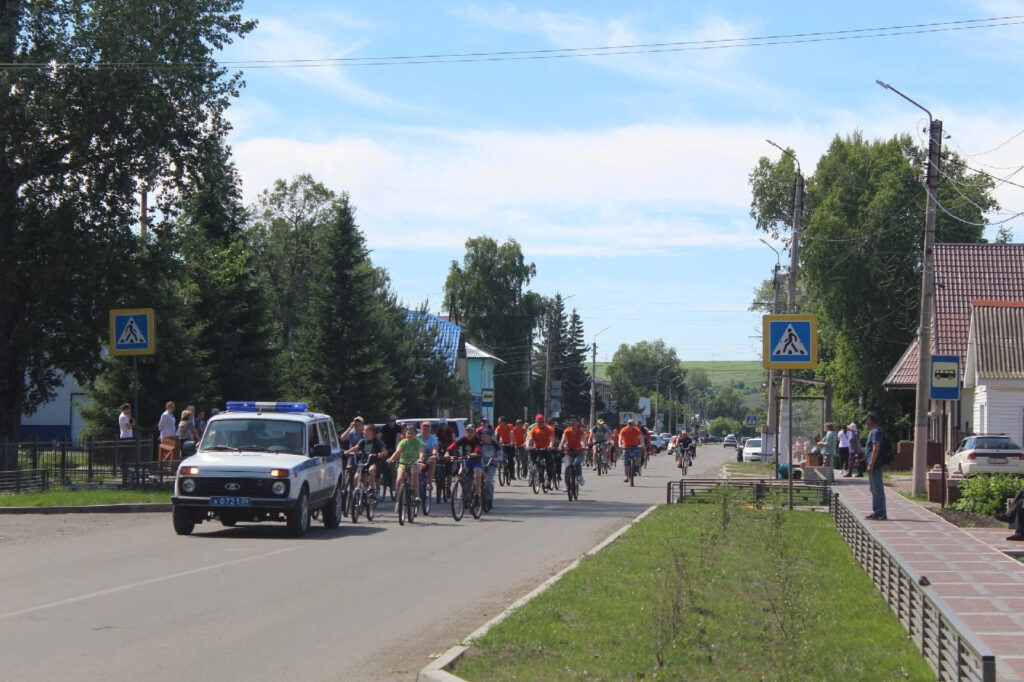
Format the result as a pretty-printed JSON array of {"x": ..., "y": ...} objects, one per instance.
[{"x": 278, "y": 461}]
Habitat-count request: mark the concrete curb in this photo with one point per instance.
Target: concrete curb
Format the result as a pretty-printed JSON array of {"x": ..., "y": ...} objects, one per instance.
[
  {"x": 435, "y": 670},
  {"x": 92, "y": 509}
]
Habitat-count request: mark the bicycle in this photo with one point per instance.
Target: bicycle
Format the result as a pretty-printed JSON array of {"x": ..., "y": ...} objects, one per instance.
[
  {"x": 573, "y": 472},
  {"x": 462, "y": 489},
  {"x": 487, "y": 484},
  {"x": 442, "y": 478},
  {"x": 426, "y": 490},
  {"x": 537, "y": 473},
  {"x": 630, "y": 463},
  {"x": 522, "y": 461},
  {"x": 364, "y": 500},
  {"x": 406, "y": 499},
  {"x": 599, "y": 458}
]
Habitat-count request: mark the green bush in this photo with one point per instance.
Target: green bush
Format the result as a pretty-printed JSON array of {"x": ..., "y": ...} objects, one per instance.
[{"x": 986, "y": 494}]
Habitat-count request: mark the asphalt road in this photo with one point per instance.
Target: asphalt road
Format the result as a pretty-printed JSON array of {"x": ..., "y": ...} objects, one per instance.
[{"x": 121, "y": 597}]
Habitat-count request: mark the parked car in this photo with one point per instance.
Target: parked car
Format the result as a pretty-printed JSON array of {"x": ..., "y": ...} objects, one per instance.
[
  {"x": 987, "y": 454},
  {"x": 729, "y": 441},
  {"x": 752, "y": 450},
  {"x": 657, "y": 442}
]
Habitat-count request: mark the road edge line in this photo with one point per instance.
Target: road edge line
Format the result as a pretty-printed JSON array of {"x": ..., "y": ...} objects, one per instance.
[{"x": 435, "y": 672}]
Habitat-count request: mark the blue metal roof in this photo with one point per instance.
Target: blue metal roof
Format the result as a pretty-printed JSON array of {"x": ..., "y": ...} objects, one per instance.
[{"x": 449, "y": 335}]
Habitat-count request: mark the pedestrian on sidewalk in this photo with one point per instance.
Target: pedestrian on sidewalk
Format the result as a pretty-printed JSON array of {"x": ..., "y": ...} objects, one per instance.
[
  {"x": 125, "y": 423},
  {"x": 873, "y": 451},
  {"x": 844, "y": 449},
  {"x": 168, "y": 426},
  {"x": 1015, "y": 514},
  {"x": 828, "y": 445}
]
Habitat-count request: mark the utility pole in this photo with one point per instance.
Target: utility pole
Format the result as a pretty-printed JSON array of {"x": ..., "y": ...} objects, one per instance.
[
  {"x": 771, "y": 441},
  {"x": 529, "y": 374},
  {"x": 593, "y": 384},
  {"x": 786, "y": 436},
  {"x": 546, "y": 407},
  {"x": 922, "y": 396},
  {"x": 924, "y": 333}
]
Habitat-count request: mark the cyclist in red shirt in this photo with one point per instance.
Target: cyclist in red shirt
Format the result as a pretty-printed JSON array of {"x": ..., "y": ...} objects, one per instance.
[
  {"x": 539, "y": 441},
  {"x": 504, "y": 433},
  {"x": 630, "y": 438},
  {"x": 572, "y": 443}
]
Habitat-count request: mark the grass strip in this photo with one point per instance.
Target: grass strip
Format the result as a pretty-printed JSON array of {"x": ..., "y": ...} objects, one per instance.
[
  {"x": 706, "y": 592},
  {"x": 82, "y": 498}
]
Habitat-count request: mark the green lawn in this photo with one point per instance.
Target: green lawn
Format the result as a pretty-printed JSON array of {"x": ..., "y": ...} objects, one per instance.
[
  {"x": 750, "y": 469},
  {"x": 78, "y": 498},
  {"x": 706, "y": 592}
]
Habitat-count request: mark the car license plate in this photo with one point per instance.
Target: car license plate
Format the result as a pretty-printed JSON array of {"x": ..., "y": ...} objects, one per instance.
[
  {"x": 997, "y": 460},
  {"x": 231, "y": 501}
]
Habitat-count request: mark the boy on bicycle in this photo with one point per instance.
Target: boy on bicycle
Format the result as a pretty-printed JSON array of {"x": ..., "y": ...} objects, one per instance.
[
  {"x": 489, "y": 451},
  {"x": 370, "y": 451},
  {"x": 572, "y": 445},
  {"x": 409, "y": 453}
]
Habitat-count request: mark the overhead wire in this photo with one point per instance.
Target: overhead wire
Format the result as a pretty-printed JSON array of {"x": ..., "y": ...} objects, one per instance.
[{"x": 557, "y": 53}]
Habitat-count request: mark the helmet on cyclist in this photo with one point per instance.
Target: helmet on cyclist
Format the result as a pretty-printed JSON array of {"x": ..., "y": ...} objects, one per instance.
[{"x": 539, "y": 418}]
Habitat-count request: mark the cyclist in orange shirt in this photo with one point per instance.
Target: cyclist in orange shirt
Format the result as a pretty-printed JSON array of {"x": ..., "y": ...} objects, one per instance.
[
  {"x": 504, "y": 433},
  {"x": 630, "y": 438},
  {"x": 572, "y": 445},
  {"x": 519, "y": 441},
  {"x": 539, "y": 442}
]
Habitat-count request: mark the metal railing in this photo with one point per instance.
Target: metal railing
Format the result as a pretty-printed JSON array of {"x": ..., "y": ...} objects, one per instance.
[
  {"x": 759, "y": 490},
  {"x": 86, "y": 461},
  {"x": 24, "y": 481},
  {"x": 949, "y": 647}
]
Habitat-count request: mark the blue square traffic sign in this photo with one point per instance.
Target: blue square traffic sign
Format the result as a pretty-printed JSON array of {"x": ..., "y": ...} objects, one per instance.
[
  {"x": 945, "y": 377},
  {"x": 132, "y": 332},
  {"x": 790, "y": 341}
]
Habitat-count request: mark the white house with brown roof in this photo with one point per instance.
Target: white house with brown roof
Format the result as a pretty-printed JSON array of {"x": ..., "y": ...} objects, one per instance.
[
  {"x": 964, "y": 273},
  {"x": 994, "y": 371}
]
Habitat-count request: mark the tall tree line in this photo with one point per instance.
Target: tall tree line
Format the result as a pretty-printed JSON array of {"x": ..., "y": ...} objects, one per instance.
[{"x": 860, "y": 252}]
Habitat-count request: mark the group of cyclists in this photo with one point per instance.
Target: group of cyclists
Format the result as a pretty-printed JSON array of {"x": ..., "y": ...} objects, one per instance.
[{"x": 432, "y": 453}]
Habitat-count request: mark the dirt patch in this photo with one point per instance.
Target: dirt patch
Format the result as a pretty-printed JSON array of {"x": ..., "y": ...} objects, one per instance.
[{"x": 904, "y": 484}]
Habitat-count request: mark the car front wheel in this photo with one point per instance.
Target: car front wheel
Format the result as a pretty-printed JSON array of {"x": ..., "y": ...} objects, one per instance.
[
  {"x": 298, "y": 517},
  {"x": 184, "y": 521}
]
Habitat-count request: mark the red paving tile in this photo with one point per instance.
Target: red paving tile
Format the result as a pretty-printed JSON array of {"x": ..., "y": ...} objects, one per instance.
[{"x": 967, "y": 568}]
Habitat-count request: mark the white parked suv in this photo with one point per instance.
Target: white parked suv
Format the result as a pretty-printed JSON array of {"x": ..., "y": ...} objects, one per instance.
[{"x": 261, "y": 462}]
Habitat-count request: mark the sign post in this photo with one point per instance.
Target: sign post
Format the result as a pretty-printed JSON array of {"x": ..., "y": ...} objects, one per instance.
[
  {"x": 790, "y": 342},
  {"x": 132, "y": 332}
]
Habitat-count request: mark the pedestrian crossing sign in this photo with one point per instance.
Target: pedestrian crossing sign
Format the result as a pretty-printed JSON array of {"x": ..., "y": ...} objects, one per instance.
[
  {"x": 132, "y": 332},
  {"x": 790, "y": 341}
]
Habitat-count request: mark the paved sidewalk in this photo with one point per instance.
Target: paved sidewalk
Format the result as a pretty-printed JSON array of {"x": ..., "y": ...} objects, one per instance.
[{"x": 967, "y": 569}]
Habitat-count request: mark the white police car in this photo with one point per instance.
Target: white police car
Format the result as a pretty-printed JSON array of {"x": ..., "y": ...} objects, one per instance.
[{"x": 261, "y": 462}]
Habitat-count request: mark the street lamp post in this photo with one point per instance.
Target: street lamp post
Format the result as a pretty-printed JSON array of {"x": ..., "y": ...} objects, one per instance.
[
  {"x": 770, "y": 440},
  {"x": 593, "y": 378},
  {"x": 656, "y": 377},
  {"x": 794, "y": 248},
  {"x": 924, "y": 331}
]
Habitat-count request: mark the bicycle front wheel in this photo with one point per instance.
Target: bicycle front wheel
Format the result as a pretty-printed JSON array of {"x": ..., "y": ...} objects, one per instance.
[
  {"x": 402, "y": 497},
  {"x": 458, "y": 501}
]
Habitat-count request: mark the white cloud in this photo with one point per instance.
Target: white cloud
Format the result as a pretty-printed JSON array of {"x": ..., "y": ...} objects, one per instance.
[
  {"x": 275, "y": 39},
  {"x": 716, "y": 68}
]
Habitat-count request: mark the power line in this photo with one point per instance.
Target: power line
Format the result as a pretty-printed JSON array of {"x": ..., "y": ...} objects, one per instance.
[{"x": 557, "y": 53}]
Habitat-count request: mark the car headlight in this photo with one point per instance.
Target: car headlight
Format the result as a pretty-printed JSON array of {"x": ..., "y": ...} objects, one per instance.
[
  {"x": 278, "y": 488},
  {"x": 188, "y": 485}
]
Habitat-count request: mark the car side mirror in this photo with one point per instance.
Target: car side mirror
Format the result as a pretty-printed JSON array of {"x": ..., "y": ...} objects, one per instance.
[
  {"x": 188, "y": 448},
  {"x": 321, "y": 450}
]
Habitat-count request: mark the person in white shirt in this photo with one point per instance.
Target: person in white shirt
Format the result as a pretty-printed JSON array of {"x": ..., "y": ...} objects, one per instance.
[
  {"x": 125, "y": 423},
  {"x": 168, "y": 426},
  {"x": 844, "y": 448}
]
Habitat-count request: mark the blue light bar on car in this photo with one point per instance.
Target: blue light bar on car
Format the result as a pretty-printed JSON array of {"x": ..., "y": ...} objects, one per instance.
[{"x": 255, "y": 406}]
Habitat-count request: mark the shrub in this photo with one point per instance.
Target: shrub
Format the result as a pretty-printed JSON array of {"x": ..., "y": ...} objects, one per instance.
[{"x": 986, "y": 494}]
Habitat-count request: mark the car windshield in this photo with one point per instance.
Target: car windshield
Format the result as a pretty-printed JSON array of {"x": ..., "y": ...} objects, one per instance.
[
  {"x": 753, "y": 443},
  {"x": 987, "y": 443},
  {"x": 264, "y": 435}
]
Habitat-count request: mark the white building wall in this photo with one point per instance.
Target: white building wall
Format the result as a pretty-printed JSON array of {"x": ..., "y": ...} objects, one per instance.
[{"x": 1005, "y": 412}]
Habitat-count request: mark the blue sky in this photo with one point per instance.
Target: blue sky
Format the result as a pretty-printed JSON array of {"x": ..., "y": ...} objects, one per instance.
[{"x": 623, "y": 177}]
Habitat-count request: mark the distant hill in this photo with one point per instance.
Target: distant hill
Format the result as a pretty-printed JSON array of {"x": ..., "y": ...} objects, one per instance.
[{"x": 721, "y": 372}]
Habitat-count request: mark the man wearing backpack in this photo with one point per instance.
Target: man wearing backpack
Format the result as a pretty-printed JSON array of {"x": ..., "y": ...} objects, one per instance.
[{"x": 875, "y": 455}]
